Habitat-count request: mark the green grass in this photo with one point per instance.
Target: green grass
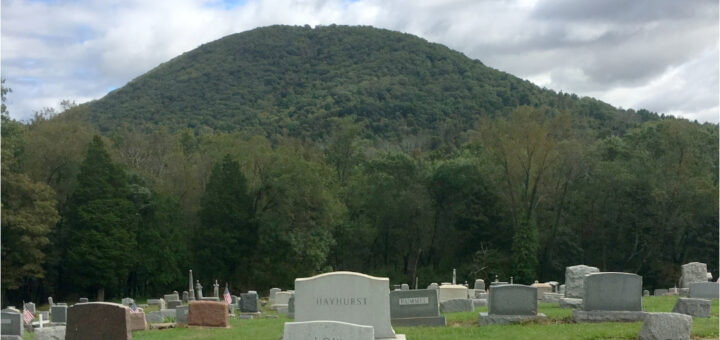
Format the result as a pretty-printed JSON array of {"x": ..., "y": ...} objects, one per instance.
[{"x": 559, "y": 325}]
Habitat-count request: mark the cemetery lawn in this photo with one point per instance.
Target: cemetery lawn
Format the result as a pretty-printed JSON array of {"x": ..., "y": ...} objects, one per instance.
[{"x": 559, "y": 325}]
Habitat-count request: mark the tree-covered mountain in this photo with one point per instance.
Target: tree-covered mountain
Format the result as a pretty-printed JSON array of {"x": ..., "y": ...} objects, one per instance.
[{"x": 290, "y": 80}]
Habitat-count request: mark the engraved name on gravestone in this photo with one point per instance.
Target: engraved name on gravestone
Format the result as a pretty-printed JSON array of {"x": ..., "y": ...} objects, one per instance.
[
  {"x": 415, "y": 308},
  {"x": 345, "y": 296}
]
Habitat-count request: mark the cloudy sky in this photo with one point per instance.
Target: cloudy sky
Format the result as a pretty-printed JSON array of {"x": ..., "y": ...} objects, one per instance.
[{"x": 661, "y": 55}]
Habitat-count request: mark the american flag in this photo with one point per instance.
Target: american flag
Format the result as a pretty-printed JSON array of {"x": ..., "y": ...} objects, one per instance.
[
  {"x": 27, "y": 316},
  {"x": 226, "y": 296},
  {"x": 133, "y": 308}
]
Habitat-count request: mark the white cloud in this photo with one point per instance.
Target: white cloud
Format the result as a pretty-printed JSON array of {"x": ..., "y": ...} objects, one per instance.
[{"x": 637, "y": 54}]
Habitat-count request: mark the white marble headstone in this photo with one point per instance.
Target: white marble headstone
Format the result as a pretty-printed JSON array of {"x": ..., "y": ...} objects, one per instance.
[{"x": 348, "y": 297}]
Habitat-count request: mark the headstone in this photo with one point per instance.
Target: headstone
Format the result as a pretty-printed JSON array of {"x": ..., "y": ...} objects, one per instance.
[
  {"x": 45, "y": 315},
  {"x": 660, "y": 292},
  {"x": 509, "y": 304},
  {"x": 282, "y": 298},
  {"x": 83, "y": 300},
  {"x": 234, "y": 299},
  {"x": 694, "y": 307},
  {"x": 555, "y": 285},
  {"x": 542, "y": 288},
  {"x": 127, "y": 301},
  {"x": 181, "y": 316},
  {"x": 273, "y": 291},
  {"x": 157, "y": 302},
  {"x": 418, "y": 307},
  {"x": 611, "y": 296},
  {"x": 137, "y": 320},
  {"x": 450, "y": 292},
  {"x": 433, "y": 286},
  {"x": 561, "y": 289},
  {"x": 209, "y": 298},
  {"x": 168, "y": 313},
  {"x": 326, "y": 330},
  {"x": 693, "y": 272},
  {"x": 454, "y": 276},
  {"x": 50, "y": 301},
  {"x": 50, "y": 333},
  {"x": 479, "y": 285},
  {"x": 191, "y": 291},
  {"x": 249, "y": 303},
  {"x": 665, "y": 326},
  {"x": 173, "y": 304},
  {"x": 480, "y": 294},
  {"x": 207, "y": 314},
  {"x": 574, "y": 277},
  {"x": 646, "y": 292},
  {"x": 154, "y": 317},
  {"x": 58, "y": 314},
  {"x": 198, "y": 290},
  {"x": 291, "y": 307},
  {"x": 185, "y": 296},
  {"x": 11, "y": 323},
  {"x": 456, "y": 305},
  {"x": 98, "y": 320},
  {"x": 216, "y": 289},
  {"x": 404, "y": 286},
  {"x": 171, "y": 297},
  {"x": 709, "y": 276},
  {"x": 347, "y": 297},
  {"x": 30, "y": 306},
  {"x": 704, "y": 290},
  {"x": 498, "y": 283},
  {"x": 552, "y": 297}
]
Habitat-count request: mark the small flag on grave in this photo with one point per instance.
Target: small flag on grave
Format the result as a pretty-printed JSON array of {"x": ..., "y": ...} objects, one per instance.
[
  {"x": 27, "y": 315},
  {"x": 226, "y": 295}
]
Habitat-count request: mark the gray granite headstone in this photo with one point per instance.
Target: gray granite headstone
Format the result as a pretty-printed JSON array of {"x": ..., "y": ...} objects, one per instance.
[
  {"x": 273, "y": 291},
  {"x": 662, "y": 326},
  {"x": 704, "y": 290},
  {"x": 610, "y": 291},
  {"x": 83, "y": 300},
  {"x": 479, "y": 285},
  {"x": 185, "y": 296},
  {"x": 173, "y": 304},
  {"x": 693, "y": 307},
  {"x": 50, "y": 333},
  {"x": 171, "y": 297},
  {"x": 181, "y": 314},
  {"x": 512, "y": 300},
  {"x": 457, "y": 305},
  {"x": 693, "y": 272},
  {"x": 12, "y": 323},
  {"x": 30, "y": 306},
  {"x": 291, "y": 307},
  {"x": 249, "y": 303},
  {"x": 127, "y": 301},
  {"x": 415, "y": 308},
  {"x": 433, "y": 286},
  {"x": 660, "y": 292},
  {"x": 404, "y": 286},
  {"x": 58, "y": 314},
  {"x": 154, "y": 317}
]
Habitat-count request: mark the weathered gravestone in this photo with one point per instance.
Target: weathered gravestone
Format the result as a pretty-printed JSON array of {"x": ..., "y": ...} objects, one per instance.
[
  {"x": 171, "y": 297},
  {"x": 611, "y": 296},
  {"x": 433, "y": 286},
  {"x": 511, "y": 303},
  {"x": 154, "y": 317},
  {"x": 185, "y": 296},
  {"x": 160, "y": 303},
  {"x": 326, "y": 330},
  {"x": 137, "y": 320},
  {"x": 693, "y": 272},
  {"x": 704, "y": 290},
  {"x": 348, "y": 297},
  {"x": 281, "y": 302},
  {"x": 173, "y": 304},
  {"x": 58, "y": 314},
  {"x": 273, "y": 291},
  {"x": 574, "y": 276},
  {"x": 418, "y": 307},
  {"x": 11, "y": 324},
  {"x": 291, "y": 307},
  {"x": 693, "y": 307},
  {"x": 181, "y": 316},
  {"x": 249, "y": 303},
  {"x": 552, "y": 297},
  {"x": 127, "y": 301},
  {"x": 31, "y": 307},
  {"x": 207, "y": 314},
  {"x": 451, "y": 292},
  {"x": 660, "y": 292},
  {"x": 479, "y": 285},
  {"x": 646, "y": 293},
  {"x": 665, "y": 326},
  {"x": 83, "y": 300},
  {"x": 98, "y": 320}
]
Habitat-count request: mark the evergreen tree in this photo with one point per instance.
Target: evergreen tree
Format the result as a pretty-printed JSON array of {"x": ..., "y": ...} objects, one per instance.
[
  {"x": 226, "y": 238},
  {"x": 100, "y": 225}
]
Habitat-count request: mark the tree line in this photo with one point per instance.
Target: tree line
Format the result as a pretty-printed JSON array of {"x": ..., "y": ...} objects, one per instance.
[{"x": 128, "y": 212}]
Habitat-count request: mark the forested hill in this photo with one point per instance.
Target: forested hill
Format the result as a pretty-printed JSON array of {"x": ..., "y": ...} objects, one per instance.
[{"x": 289, "y": 80}]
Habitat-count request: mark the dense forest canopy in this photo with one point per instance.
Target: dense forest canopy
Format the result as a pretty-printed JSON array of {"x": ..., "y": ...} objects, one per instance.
[{"x": 284, "y": 152}]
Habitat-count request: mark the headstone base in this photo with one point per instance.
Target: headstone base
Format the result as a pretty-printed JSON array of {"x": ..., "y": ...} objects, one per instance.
[
  {"x": 607, "y": 316},
  {"x": 430, "y": 321},
  {"x": 570, "y": 303},
  {"x": 551, "y": 298},
  {"x": 486, "y": 319}
]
